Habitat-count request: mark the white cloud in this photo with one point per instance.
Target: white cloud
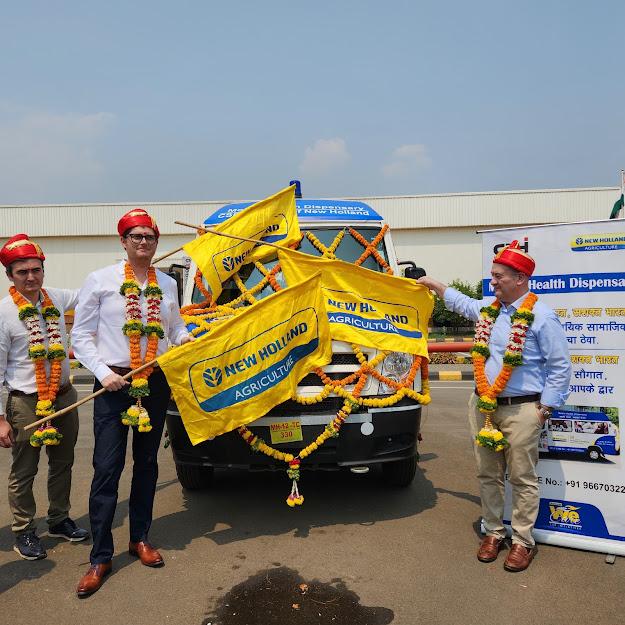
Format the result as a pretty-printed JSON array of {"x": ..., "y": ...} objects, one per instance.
[
  {"x": 325, "y": 156},
  {"x": 43, "y": 155},
  {"x": 407, "y": 160}
]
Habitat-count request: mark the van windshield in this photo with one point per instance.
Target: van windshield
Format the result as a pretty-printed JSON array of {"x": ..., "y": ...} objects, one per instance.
[{"x": 348, "y": 250}]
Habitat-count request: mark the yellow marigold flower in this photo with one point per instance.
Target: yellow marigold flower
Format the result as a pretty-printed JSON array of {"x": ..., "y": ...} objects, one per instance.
[
  {"x": 144, "y": 420},
  {"x": 133, "y": 411},
  {"x": 497, "y": 435},
  {"x": 139, "y": 382},
  {"x": 499, "y": 447}
]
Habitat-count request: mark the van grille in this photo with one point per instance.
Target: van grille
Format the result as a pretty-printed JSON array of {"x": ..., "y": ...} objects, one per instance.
[{"x": 347, "y": 360}]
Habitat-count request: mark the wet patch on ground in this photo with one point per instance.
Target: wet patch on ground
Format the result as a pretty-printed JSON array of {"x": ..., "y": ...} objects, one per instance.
[{"x": 281, "y": 596}]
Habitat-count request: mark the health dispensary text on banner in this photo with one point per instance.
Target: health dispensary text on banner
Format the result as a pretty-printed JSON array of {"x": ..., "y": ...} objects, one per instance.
[
  {"x": 240, "y": 370},
  {"x": 273, "y": 219},
  {"x": 580, "y": 273},
  {"x": 367, "y": 307}
]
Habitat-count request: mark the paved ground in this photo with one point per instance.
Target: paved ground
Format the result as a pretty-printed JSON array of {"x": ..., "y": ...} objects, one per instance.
[{"x": 356, "y": 553}]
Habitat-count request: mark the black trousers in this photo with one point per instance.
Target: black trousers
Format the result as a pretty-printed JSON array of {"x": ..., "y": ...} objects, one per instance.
[{"x": 109, "y": 457}]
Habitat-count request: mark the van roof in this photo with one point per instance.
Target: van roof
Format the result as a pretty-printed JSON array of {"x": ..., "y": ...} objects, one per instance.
[{"x": 309, "y": 210}]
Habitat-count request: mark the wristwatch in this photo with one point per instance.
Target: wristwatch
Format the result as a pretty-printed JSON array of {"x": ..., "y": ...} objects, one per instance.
[{"x": 545, "y": 411}]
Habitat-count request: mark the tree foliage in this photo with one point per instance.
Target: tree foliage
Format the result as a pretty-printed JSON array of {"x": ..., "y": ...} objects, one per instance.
[{"x": 441, "y": 317}]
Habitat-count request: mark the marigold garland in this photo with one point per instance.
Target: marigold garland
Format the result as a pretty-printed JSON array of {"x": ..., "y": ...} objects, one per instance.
[
  {"x": 47, "y": 388},
  {"x": 522, "y": 319},
  {"x": 134, "y": 329}
]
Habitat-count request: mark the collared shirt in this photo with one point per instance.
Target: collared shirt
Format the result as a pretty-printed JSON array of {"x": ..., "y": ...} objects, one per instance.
[
  {"x": 97, "y": 336},
  {"x": 17, "y": 370},
  {"x": 546, "y": 367}
]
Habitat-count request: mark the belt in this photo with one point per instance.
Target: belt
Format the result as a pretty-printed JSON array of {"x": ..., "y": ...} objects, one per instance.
[
  {"x": 519, "y": 399},
  {"x": 60, "y": 392},
  {"x": 125, "y": 370}
]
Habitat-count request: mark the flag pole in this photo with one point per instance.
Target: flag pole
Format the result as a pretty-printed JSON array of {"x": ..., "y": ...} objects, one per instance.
[
  {"x": 86, "y": 399},
  {"x": 622, "y": 192},
  {"x": 221, "y": 234}
]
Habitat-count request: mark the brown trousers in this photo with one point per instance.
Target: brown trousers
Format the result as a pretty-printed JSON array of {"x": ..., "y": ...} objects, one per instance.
[
  {"x": 520, "y": 424},
  {"x": 20, "y": 411}
]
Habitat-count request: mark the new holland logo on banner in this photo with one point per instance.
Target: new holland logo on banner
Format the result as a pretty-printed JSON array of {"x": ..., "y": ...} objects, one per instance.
[
  {"x": 367, "y": 307},
  {"x": 273, "y": 219},
  {"x": 240, "y": 370}
]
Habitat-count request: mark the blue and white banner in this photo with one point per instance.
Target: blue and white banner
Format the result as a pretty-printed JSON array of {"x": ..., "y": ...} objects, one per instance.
[
  {"x": 580, "y": 274},
  {"x": 322, "y": 210}
]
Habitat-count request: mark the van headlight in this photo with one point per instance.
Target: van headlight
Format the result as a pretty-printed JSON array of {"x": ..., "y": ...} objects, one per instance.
[{"x": 396, "y": 367}]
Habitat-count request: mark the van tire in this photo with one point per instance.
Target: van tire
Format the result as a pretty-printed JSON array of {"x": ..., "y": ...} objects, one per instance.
[
  {"x": 400, "y": 472},
  {"x": 194, "y": 477},
  {"x": 595, "y": 453}
]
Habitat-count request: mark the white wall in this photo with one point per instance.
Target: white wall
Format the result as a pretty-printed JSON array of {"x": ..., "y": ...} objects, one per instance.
[
  {"x": 70, "y": 259},
  {"x": 446, "y": 254}
]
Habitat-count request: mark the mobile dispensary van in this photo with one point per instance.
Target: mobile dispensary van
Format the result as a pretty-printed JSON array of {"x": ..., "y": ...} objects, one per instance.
[
  {"x": 385, "y": 436},
  {"x": 575, "y": 430}
]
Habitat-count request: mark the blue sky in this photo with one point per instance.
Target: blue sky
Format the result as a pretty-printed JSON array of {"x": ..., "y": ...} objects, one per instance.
[{"x": 159, "y": 101}]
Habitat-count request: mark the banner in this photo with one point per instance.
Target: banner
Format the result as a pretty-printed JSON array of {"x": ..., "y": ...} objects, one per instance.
[
  {"x": 393, "y": 315},
  {"x": 580, "y": 274},
  {"x": 240, "y": 370},
  {"x": 323, "y": 210},
  {"x": 273, "y": 219}
]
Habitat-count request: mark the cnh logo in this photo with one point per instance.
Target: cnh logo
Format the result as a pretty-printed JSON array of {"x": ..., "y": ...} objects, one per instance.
[
  {"x": 212, "y": 376},
  {"x": 564, "y": 514},
  {"x": 523, "y": 245}
]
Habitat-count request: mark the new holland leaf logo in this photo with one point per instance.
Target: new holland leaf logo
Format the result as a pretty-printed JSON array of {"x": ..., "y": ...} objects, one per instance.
[
  {"x": 228, "y": 263},
  {"x": 213, "y": 377}
]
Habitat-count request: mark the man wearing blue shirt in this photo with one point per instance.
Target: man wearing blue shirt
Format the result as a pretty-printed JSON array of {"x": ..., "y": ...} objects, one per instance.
[{"x": 535, "y": 388}]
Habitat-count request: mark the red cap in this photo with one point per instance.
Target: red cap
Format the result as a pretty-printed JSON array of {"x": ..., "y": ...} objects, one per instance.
[
  {"x": 513, "y": 257},
  {"x": 136, "y": 217},
  {"x": 20, "y": 247}
]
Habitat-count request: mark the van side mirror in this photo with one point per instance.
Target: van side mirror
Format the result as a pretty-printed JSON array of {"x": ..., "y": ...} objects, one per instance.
[
  {"x": 412, "y": 271},
  {"x": 177, "y": 273}
]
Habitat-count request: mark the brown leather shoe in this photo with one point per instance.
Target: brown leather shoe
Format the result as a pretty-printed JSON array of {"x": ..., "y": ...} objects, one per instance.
[
  {"x": 146, "y": 553},
  {"x": 489, "y": 549},
  {"x": 91, "y": 581},
  {"x": 519, "y": 558}
]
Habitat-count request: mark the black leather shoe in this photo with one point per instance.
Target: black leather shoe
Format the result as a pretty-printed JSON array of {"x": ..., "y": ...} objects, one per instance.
[{"x": 68, "y": 530}]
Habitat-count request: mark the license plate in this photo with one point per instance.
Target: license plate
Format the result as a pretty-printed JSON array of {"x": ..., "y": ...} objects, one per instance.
[{"x": 286, "y": 431}]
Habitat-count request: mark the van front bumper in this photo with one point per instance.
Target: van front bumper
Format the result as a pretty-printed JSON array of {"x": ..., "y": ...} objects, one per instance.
[{"x": 371, "y": 436}]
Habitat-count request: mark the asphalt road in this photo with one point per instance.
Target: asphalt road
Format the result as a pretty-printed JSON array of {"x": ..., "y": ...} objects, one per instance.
[{"x": 355, "y": 553}]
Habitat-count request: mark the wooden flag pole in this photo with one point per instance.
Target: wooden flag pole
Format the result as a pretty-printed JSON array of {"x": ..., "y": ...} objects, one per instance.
[
  {"x": 221, "y": 234},
  {"x": 86, "y": 399}
]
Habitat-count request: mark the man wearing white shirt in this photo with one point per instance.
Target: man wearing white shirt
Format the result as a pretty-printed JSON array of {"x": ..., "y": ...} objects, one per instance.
[
  {"x": 23, "y": 260},
  {"x": 127, "y": 315}
]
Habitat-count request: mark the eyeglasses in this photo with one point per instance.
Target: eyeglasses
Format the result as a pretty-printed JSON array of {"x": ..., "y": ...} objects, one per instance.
[{"x": 137, "y": 238}]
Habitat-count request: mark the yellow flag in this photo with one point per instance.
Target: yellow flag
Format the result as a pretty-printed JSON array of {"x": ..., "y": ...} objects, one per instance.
[
  {"x": 273, "y": 219},
  {"x": 237, "y": 372},
  {"x": 367, "y": 307}
]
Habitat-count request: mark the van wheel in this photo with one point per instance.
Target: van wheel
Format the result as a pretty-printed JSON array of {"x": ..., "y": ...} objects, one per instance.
[
  {"x": 400, "y": 472},
  {"x": 193, "y": 477},
  {"x": 595, "y": 453}
]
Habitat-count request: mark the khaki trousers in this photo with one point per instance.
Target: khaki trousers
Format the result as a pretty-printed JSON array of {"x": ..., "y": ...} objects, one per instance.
[
  {"x": 20, "y": 411},
  {"x": 520, "y": 424}
]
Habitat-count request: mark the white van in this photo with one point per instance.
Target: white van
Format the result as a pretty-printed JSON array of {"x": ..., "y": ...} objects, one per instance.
[
  {"x": 575, "y": 431},
  {"x": 370, "y": 436}
]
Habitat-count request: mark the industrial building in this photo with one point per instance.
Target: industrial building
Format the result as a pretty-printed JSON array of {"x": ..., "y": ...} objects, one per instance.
[{"x": 437, "y": 231}]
